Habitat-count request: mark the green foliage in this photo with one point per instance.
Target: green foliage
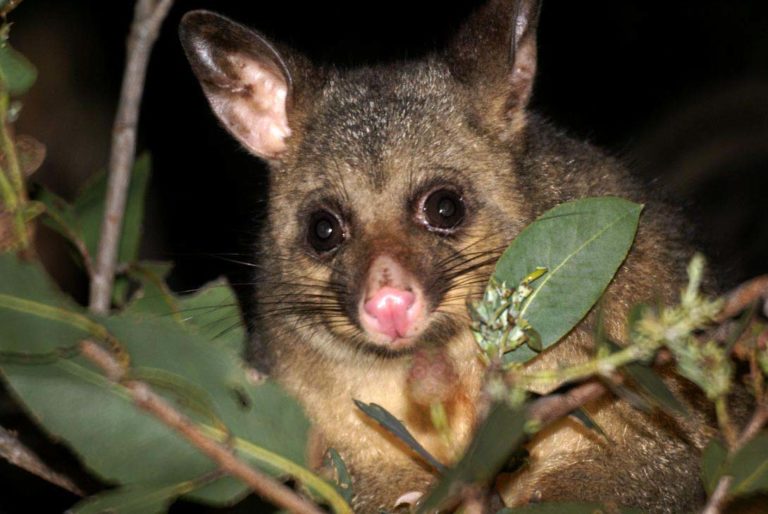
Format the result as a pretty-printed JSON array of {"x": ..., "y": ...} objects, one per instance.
[
  {"x": 75, "y": 402},
  {"x": 396, "y": 428},
  {"x": 712, "y": 462},
  {"x": 17, "y": 74},
  {"x": 749, "y": 467},
  {"x": 498, "y": 436},
  {"x": 343, "y": 478},
  {"x": 650, "y": 385},
  {"x": 581, "y": 244},
  {"x": 137, "y": 499},
  {"x": 89, "y": 209},
  {"x": 80, "y": 222}
]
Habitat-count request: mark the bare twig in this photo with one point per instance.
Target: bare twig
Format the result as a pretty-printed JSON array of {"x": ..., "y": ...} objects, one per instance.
[
  {"x": 146, "y": 399},
  {"x": 12, "y": 450},
  {"x": 555, "y": 406},
  {"x": 755, "y": 425},
  {"x": 745, "y": 295},
  {"x": 148, "y": 16},
  {"x": 719, "y": 497}
]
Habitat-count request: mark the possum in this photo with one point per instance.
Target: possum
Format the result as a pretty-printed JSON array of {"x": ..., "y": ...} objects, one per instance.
[{"x": 393, "y": 190}]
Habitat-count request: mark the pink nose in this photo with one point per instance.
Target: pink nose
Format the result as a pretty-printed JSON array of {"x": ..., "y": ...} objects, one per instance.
[{"x": 391, "y": 313}]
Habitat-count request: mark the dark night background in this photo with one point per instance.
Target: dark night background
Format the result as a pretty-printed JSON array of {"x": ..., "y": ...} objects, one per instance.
[{"x": 678, "y": 89}]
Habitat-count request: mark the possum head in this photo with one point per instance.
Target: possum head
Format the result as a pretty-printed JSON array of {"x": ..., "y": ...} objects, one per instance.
[{"x": 392, "y": 190}]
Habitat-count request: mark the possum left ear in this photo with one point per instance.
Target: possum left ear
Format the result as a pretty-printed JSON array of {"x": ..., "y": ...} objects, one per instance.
[{"x": 494, "y": 54}]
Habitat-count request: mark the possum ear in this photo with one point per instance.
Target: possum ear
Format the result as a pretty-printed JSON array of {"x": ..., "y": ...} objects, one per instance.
[
  {"x": 248, "y": 83},
  {"x": 494, "y": 55}
]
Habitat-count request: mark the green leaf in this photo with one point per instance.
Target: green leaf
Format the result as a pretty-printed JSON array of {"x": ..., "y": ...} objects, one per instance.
[
  {"x": 393, "y": 426},
  {"x": 498, "y": 436},
  {"x": 17, "y": 74},
  {"x": 581, "y": 243},
  {"x": 650, "y": 385},
  {"x": 343, "y": 478},
  {"x": 654, "y": 388},
  {"x": 89, "y": 209},
  {"x": 153, "y": 298},
  {"x": 26, "y": 334},
  {"x": 749, "y": 467},
  {"x": 585, "y": 418},
  {"x": 214, "y": 313},
  {"x": 61, "y": 217},
  {"x": 567, "y": 508},
  {"x": 712, "y": 462},
  {"x": 76, "y": 403},
  {"x": 135, "y": 499}
]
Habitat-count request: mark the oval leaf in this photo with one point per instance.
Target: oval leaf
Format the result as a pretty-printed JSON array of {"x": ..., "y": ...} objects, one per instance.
[
  {"x": 16, "y": 72},
  {"x": 749, "y": 467},
  {"x": 712, "y": 461},
  {"x": 581, "y": 243}
]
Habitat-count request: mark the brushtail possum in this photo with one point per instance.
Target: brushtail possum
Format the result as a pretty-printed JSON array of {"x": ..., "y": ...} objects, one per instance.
[{"x": 393, "y": 190}]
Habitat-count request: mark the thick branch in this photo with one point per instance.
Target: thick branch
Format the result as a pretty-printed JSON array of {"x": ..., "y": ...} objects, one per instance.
[
  {"x": 12, "y": 450},
  {"x": 148, "y": 17},
  {"x": 228, "y": 462}
]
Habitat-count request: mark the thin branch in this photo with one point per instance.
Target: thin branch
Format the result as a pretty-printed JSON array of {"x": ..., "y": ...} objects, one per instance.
[
  {"x": 555, "y": 406},
  {"x": 719, "y": 498},
  {"x": 12, "y": 450},
  {"x": 745, "y": 295},
  {"x": 143, "y": 396},
  {"x": 148, "y": 17}
]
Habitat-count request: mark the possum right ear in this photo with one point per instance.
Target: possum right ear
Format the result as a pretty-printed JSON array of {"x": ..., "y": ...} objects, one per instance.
[{"x": 248, "y": 83}]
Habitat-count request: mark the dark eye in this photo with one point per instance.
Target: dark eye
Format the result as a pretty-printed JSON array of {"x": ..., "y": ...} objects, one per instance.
[
  {"x": 443, "y": 210},
  {"x": 324, "y": 232}
]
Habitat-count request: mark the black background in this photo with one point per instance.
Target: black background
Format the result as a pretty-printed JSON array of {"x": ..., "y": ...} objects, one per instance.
[{"x": 678, "y": 89}]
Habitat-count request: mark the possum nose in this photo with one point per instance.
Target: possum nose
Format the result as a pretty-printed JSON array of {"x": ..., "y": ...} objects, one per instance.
[{"x": 392, "y": 311}]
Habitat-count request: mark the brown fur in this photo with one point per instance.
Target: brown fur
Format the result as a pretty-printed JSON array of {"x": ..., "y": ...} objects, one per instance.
[{"x": 369, "y": 142}]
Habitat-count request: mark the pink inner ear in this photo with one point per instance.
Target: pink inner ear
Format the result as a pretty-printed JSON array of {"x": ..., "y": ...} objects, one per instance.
[{"x": 256, "y": 111}]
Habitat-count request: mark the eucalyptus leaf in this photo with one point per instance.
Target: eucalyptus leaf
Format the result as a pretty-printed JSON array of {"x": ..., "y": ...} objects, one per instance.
[
  {"x": 135, "y": 499},
  {"x": 498, "y": 436},
  {"x": 581, "y": 244},
  {"x": 60, "y": 216},
  {"x": 26, "y": 334},
  {"x": 582, "y": 416},
  {"x": 89, "y": 209},
  {"x": 17, "y": 74},
  {"x": 749, "y": 467},
  {"x": 396, "y": 428},
  {"x": 343, "y": 478},
  {"x": 153, "y": 296},
  {"x": 96, "y": 417},
  {"x": 712, "y": 462},
  {"x": 651, "y": 386},
  {"x": 214, "y": 313}
]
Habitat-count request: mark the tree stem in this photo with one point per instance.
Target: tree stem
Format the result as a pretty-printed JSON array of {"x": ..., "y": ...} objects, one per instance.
[{"x": 148, "y": 16}]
